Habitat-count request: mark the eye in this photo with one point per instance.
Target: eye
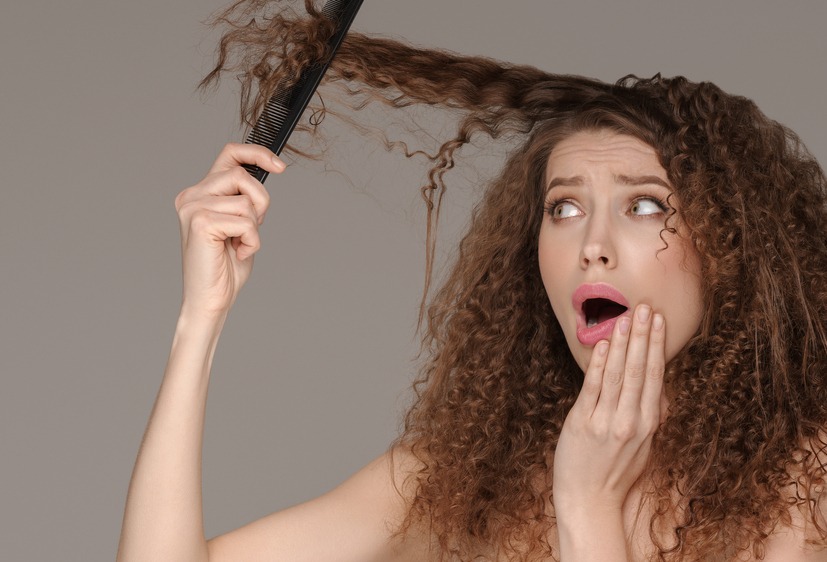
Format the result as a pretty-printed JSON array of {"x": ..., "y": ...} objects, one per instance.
[
  {"x": 558, "y": 210},
  {"x": 647, "y": 206}
]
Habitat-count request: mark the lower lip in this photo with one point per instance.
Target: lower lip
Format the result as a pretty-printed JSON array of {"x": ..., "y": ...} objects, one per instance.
[{"x": 602, "y": 331}]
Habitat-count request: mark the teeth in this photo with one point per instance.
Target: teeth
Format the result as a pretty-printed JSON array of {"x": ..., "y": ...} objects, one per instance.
[{"x": 591, "y": 322}]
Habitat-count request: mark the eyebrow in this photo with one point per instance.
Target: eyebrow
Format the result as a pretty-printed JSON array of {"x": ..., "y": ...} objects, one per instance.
[{"x": 578, "y": 181}]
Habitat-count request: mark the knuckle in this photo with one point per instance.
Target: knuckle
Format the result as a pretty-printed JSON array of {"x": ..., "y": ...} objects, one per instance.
[
  {"x": 650, "y": 424},
  {"x": 252, "y": 229},
  {"x": 598, "y": 430},
  {"x": 185, "y": 210},
  {"x": 613, "y": 376},
  {"x": 200, "y": 219},
  {"x": 635, "y": 371},
  {"x": 658, "y": 337},
  {"x": 625, "y": 430},
  {"x": 654, "y": 371},
  {"x": 181, "y": 197},
  {"x": 244, "y": 200},
  {"x": 230, "y": 147}
]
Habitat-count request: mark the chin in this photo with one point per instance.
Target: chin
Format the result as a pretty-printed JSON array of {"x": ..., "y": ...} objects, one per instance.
[
  {"x": 581, "y": 354},
  {"x": 582, "y": 359}
]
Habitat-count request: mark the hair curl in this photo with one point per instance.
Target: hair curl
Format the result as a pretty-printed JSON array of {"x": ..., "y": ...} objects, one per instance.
[{"x": 749, "y": 396}]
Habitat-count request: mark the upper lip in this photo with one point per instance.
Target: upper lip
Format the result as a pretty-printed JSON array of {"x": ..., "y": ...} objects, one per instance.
[{"x": 596, "y": 291}]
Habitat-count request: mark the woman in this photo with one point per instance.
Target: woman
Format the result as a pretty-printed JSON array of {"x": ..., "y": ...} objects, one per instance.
[{"x": 631, "y": 345}]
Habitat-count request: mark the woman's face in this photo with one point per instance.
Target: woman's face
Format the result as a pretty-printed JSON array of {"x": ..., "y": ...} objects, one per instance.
[{"x": 602, "y": 247}]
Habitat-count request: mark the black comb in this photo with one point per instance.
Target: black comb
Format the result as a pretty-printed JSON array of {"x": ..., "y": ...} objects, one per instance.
[{"x": 285, "y": 107}]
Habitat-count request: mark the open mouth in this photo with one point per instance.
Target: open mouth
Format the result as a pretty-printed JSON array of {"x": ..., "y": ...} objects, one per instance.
[{"x": 599, "y": 310}]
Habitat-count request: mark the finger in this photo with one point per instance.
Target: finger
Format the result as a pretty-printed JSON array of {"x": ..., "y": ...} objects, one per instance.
[
  {"x": 219, "y": 227},
  {"x": 235, "y": 181},
  {"x": 235, "y": 154},
  {"x": 593, "y": 379},
  {"x": 636, "y": 361},
  {"x": 652, "y": 396},
  {"x": 238, "y": 205},
  {"x": 615, "y": 363}
]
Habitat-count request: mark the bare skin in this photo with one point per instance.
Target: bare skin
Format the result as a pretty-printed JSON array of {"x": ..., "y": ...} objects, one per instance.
[{"x": 163, "y": 519}]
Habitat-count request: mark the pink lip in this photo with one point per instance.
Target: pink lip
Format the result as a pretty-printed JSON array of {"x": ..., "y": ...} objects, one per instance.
[{"x": 602, "y": 331}]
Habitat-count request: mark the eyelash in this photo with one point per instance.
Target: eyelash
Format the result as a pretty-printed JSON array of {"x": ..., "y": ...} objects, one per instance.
[{"x": 550, "y": 206}]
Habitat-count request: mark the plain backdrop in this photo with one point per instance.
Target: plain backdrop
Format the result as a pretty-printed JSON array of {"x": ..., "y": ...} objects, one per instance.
[{"x": 102, "y": 127}]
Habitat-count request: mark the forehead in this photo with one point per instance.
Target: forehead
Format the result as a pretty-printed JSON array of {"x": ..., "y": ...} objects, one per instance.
[{"x": 577, "y": 153}]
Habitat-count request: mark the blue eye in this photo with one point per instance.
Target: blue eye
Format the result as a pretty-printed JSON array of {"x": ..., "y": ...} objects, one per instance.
[{"x": 647, "y": 206}]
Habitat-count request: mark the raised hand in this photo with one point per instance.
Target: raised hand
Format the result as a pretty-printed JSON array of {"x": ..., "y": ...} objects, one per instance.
[
  {"x": 606, "y": 437},
  {"x": 219, "y": 218}
]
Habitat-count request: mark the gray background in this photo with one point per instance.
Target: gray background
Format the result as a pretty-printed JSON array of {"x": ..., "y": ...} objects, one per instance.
[{"x": 101, "y": 128}]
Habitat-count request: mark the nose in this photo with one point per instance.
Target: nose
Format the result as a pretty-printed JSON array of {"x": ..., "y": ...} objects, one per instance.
[{"x": 598, "y": 248}]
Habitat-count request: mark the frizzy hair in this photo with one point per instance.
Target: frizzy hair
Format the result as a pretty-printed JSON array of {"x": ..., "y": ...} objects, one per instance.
[{"x": 744, "y": 441}]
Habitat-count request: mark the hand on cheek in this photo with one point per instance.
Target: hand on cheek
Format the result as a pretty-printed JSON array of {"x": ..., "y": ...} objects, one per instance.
[{"x": 606, "y": 437}]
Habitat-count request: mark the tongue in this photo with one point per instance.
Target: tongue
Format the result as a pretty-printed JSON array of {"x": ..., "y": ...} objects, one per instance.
[{"x": 609, "y": 311}]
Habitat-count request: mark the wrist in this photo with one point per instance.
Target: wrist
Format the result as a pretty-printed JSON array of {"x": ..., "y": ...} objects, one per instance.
[
  {"x": 580, "y": 508},
  {"x": 197, "y": 317},
  {"x": 578, "y": 528},
  {"x": 196, "y": 337},
  {"x": 588, "y": 515}
]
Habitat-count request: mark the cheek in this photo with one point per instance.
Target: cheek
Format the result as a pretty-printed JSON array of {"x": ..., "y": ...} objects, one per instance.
[
  {"x": 681, "y": 298},
  {"x": 556, "y": 270},
  {"x": 551, "y": 256}
]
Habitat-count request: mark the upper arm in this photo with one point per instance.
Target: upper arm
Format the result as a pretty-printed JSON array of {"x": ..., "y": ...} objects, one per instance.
[{"x": 353, "y": 522}]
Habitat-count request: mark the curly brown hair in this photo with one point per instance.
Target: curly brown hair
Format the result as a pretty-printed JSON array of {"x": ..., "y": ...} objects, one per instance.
[{"x": 744, "y": 440}]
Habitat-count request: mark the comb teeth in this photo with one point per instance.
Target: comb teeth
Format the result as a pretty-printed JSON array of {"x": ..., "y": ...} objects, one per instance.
[
  {"x": 270, "y": 121},
  {"x": 333, "y": 8}
]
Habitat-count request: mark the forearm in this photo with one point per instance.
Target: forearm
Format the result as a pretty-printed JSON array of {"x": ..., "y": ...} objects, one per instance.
[
  {"x": 163, "y": 518},
  {"x": 592, "y": 537}
]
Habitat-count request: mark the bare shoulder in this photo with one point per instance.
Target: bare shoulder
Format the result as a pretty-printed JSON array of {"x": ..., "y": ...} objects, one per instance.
[
  {"x": 356, "y": 521},
  {"x": 793, "y": 541}
]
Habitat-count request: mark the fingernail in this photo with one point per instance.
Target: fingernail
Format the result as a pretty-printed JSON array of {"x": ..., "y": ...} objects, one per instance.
[
  {"x": 279, "y": 163},
  {"x": 624, "y": 323},
  {"x": 602, "y": 348},
  {"x": 657, "y": 323},
  {"x": 643, "y": 313}
]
